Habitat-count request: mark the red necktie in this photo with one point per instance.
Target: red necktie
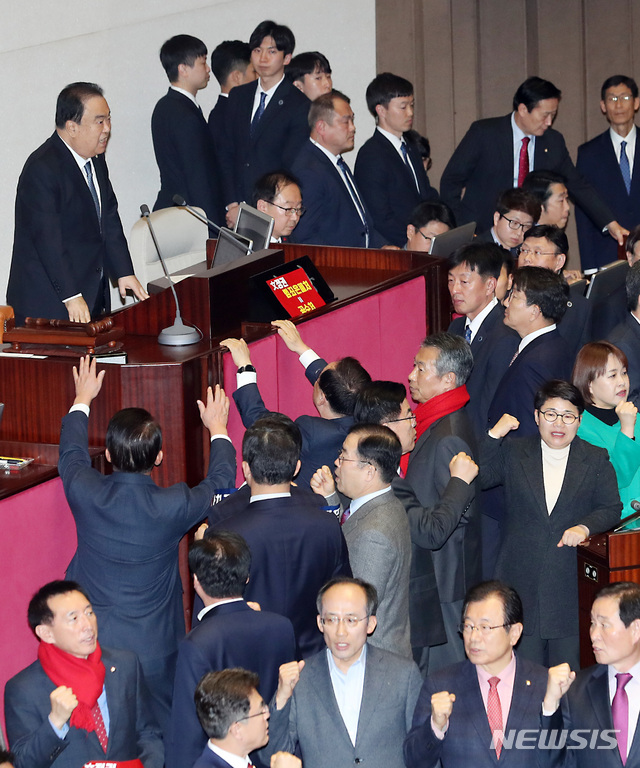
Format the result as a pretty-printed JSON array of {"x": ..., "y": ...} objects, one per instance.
[
  {"x": 523, "y": 162},
  {"x": 345, "y": 516},
  {"x": 620, "y": 714},
  {"x": 101, "y": 731},
  {"x": 494, "y": 714}
]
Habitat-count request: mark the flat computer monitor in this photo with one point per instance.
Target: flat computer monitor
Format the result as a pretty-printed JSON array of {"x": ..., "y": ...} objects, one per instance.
[
  {"x": 230, "y": 247},
  {"x": 607, "y": 280},
  {"x": 255, "y": 225},
  {"x": 445, "y": 244}
]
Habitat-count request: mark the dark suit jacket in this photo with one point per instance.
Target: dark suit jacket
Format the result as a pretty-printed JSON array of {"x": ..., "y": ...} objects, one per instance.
[
  {"x": 209, "y": 759},
  {"x": 230, "y": 635},
  {"x": 185, "y": 156},
  {"x": 482, "y": 165},
  {"x": 388, "y": 186},
  {"x": 331, "y": 217},
  {"x": 132, "y": 730},
  {"x": 626, "y": 336},
  {"x": 281, "y": 131},
  {"x": 493, "y": 348},
  {"x": 609, "y": 312},
  {"x": 59, "y": 247},
  {"x": 217, "y": 120},
  {"x": 546, "y": 357},
  {"x": 295, "y": 549},
  {"x": 589, "y": 496},
  {"x": 312, "y": 720},
  {"x": 598, "y": 163},
  {"x": 468, "y": 733},
  {"x": 586, "y": 706},
  {"x": 129, "y": 530},
  {"x": 577, "y": 323}
]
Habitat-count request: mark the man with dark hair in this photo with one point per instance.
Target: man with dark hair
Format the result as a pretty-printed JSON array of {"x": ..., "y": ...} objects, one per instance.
[
  {"x": 230, "y": 634},
  {"x": 79, "y": 702},
  {"x": 231, "y": 66},
  {"x": 465, "y": 709},
  {"x": 68, "y": 239},
  {"x": 473, "y": 276},
  {"x": 549, "y": 188},
  {"x": 498, "y": 152},
  {"x": 516, "y": 212},
  {"x": 352, "y": 702},
  {"x": 233, "y": 715},
  {"x": 295, "y": 545},
  {"x": 310, "y": 72},
  {"x": 337, "y": 213},
  {"x": 547, "y": 246},
  {"x": 129, "y": 529},
  {"x": 375, "y": 526},
  {"x": 602, "y": 700},
  {"x": 335, "y": 388},
  {"x": 389, "y": 169},
  {"x": 181, "y": 142},
  {"x": 278, "y": 195},
  {"x": 266, "y": 120},
  {"x": 626, "y": 335},
  {"x": 428, "y": 220},
  {"x": 607, "y": 161},
  {"x": 7, "y": 759}
]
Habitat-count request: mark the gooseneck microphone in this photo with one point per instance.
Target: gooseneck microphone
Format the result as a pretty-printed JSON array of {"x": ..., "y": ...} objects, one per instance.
[
  {"x": 179, "y": 200},
  {"x": 178, "y": 334}
]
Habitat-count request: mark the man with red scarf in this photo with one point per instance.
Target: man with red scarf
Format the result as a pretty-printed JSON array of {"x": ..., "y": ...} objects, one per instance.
[
  {"x": 437, "y": 384},
  {"x": 78, "y": 702}
]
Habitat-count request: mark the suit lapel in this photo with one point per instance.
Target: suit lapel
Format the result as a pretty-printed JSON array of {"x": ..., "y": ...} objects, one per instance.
[
  {"x": 374, "y": 679},
  {"x": 576, "y": 469},
  {"x": 78, "y": 179},
  {"x": 475, "y": 707},
  {"x": 113, "y": 689},
  {"x": 598, "y": 690},
  {"x": 321, "y": 682},
  {"x": 272, "y": 111},
  {"x": 532, "y": 471},
  {"x": 520, "y": 699},
  {"x": 504, "y": 148}
]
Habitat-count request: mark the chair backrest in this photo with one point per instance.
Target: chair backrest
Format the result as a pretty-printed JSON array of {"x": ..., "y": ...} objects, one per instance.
[{"x": 181, "y": 236}]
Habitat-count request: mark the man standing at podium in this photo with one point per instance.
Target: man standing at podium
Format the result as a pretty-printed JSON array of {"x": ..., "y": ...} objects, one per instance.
[{"x": 68, "y": 241}]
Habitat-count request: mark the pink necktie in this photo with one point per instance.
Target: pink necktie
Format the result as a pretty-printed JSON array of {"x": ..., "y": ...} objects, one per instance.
[
  {"x": 620, "y": 713},
  {"x": 523, "y": 162},
  {"x": 494, "y": 714}
]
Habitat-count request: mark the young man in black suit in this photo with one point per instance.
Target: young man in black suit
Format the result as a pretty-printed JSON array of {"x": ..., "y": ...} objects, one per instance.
[
  {"x": 181, "y": 141},
  {"x": 626, "y": 335},
  {"x": 389, "y": 170},
  {"x": 310, "y": 72},
  {"x": 231, "y": 66},
  {"x": 266, "y": 122}
]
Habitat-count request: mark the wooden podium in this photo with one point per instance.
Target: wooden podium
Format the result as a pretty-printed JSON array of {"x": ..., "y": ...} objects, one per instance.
[{"x": 605, "y": 559}]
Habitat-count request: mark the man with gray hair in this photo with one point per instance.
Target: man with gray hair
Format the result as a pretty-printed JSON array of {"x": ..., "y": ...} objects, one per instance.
[{"x": 441, "y": 368}]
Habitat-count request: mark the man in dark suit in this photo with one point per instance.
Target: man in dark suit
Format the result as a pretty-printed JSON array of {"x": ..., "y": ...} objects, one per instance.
[
  {"x": 607, "y": 161},
  {"x": 497, "y": 153},
  {"x": 516, "y": 212},
  {"x": 129, "y": 529},
  {"x": 351, "y": 703},
  {"x": 437, "y": 383},
  {"x": 181, "y": 142},
  {"x": 278, "y": 195},
  {"x": 335, "y": 387},
  {"x": 295, "y": 546},
  {"x": 266, "y": 121},
  {"x": 231, "y": 66},
  {"x": 603, "y": 700},
  {"x": 78, "y": 702},
  {"x": 389, "y": 170},
  {"x": 68, "y": 241},
  {"x": 427, "y": 220},
  {"x": 462, "y": 710},
  {"x": 230, "y": 634},
  {"x": 547, "y": 246},
  {"x": 337, "y": 213},
  {"x": 549, "y": 189},
  {"x": 626, "y": 335},
  {"x": 233, "y": 715}
]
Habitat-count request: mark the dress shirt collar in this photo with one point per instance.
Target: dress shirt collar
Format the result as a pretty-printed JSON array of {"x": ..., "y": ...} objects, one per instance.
[
  {"x": 518, "y": 133},
  {"x": 630, "y": 149},
  {"x": 348, "y": 689},
  {"x": 357, "y": 503},
  {"x": 81, "y": 161},
  {"x": 208, "y": 608},
  {"x": 477, "y": 321},
  {"x": 190, "y": 96},
  {"x": 397, "y": 141},
  {"x": 271, "y": 90},
  {"x": 267, "y": 496},
  {"x": 633, "y": 694},
  {"x": 507, "y": 676},
  {"x": 235, "y": 761},
  {"x": 531, "y": 336},
  {"x": 334, "y": 158}
]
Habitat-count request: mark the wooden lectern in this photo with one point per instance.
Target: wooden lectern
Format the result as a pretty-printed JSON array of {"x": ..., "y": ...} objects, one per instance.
[{"x": 606, "y": 558}]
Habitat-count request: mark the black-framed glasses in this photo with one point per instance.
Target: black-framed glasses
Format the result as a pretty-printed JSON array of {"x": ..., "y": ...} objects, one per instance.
[
  {"x": 515, "y": 224},
  {"x": 522, "y": 251},
  {"x": 342, "y": 457},
  {"x": 299, "y": 212},
  {"x": 412, "y": 418},
  {"x": 334, "y": 621},
  {"x": 553, "y": 416},
  {"x": 465, "y": 628},
  {"x": 263, "y": 711}
]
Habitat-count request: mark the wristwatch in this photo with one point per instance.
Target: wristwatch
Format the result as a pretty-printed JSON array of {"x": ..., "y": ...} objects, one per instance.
[{"x": 246, "y": 369}]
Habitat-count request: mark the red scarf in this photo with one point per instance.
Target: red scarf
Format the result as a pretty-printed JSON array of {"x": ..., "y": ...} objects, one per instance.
[
  {"x": 427, "y": 413},
  {"x": 85, "y": 677}
]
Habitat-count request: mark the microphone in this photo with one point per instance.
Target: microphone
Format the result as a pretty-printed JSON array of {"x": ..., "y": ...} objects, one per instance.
[
  {"x": 179, "y": 334},
  {"x": 635, "y": 506},
  {"x": 179, "y": 200}
]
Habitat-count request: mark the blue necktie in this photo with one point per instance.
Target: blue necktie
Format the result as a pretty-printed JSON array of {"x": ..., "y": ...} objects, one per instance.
[
  {"x": 467, "y": 334},
  {"x": 259, "y": 112},
  {"x": 346, "y": 172},
  {"x": 92, "y": 189},
  {"x": 625, "y": 170}
]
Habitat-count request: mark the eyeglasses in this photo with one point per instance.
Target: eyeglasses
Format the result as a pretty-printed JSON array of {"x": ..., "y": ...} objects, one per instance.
[
  {"x": 291, "y": 211},
  {"x": 334, "y": 621},
  {"x": 552, "y": 417},
  {"x": 626, "y": 97},
  {"x": 341, "y": 458},
  {"x": 404, "y": 418},
  {"x": 263, "y": 711},
  {"x": 522, "y": 251},
  {"x": 515, "y": 224},
  {"x": 467, "y": 629},
  {"x": 426, "y": 237}
]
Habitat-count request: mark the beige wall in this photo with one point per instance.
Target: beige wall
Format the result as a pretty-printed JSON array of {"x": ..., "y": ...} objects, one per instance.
[
  {"x": 467, "y": 57},
  {"x": 44, "y": 45}
]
